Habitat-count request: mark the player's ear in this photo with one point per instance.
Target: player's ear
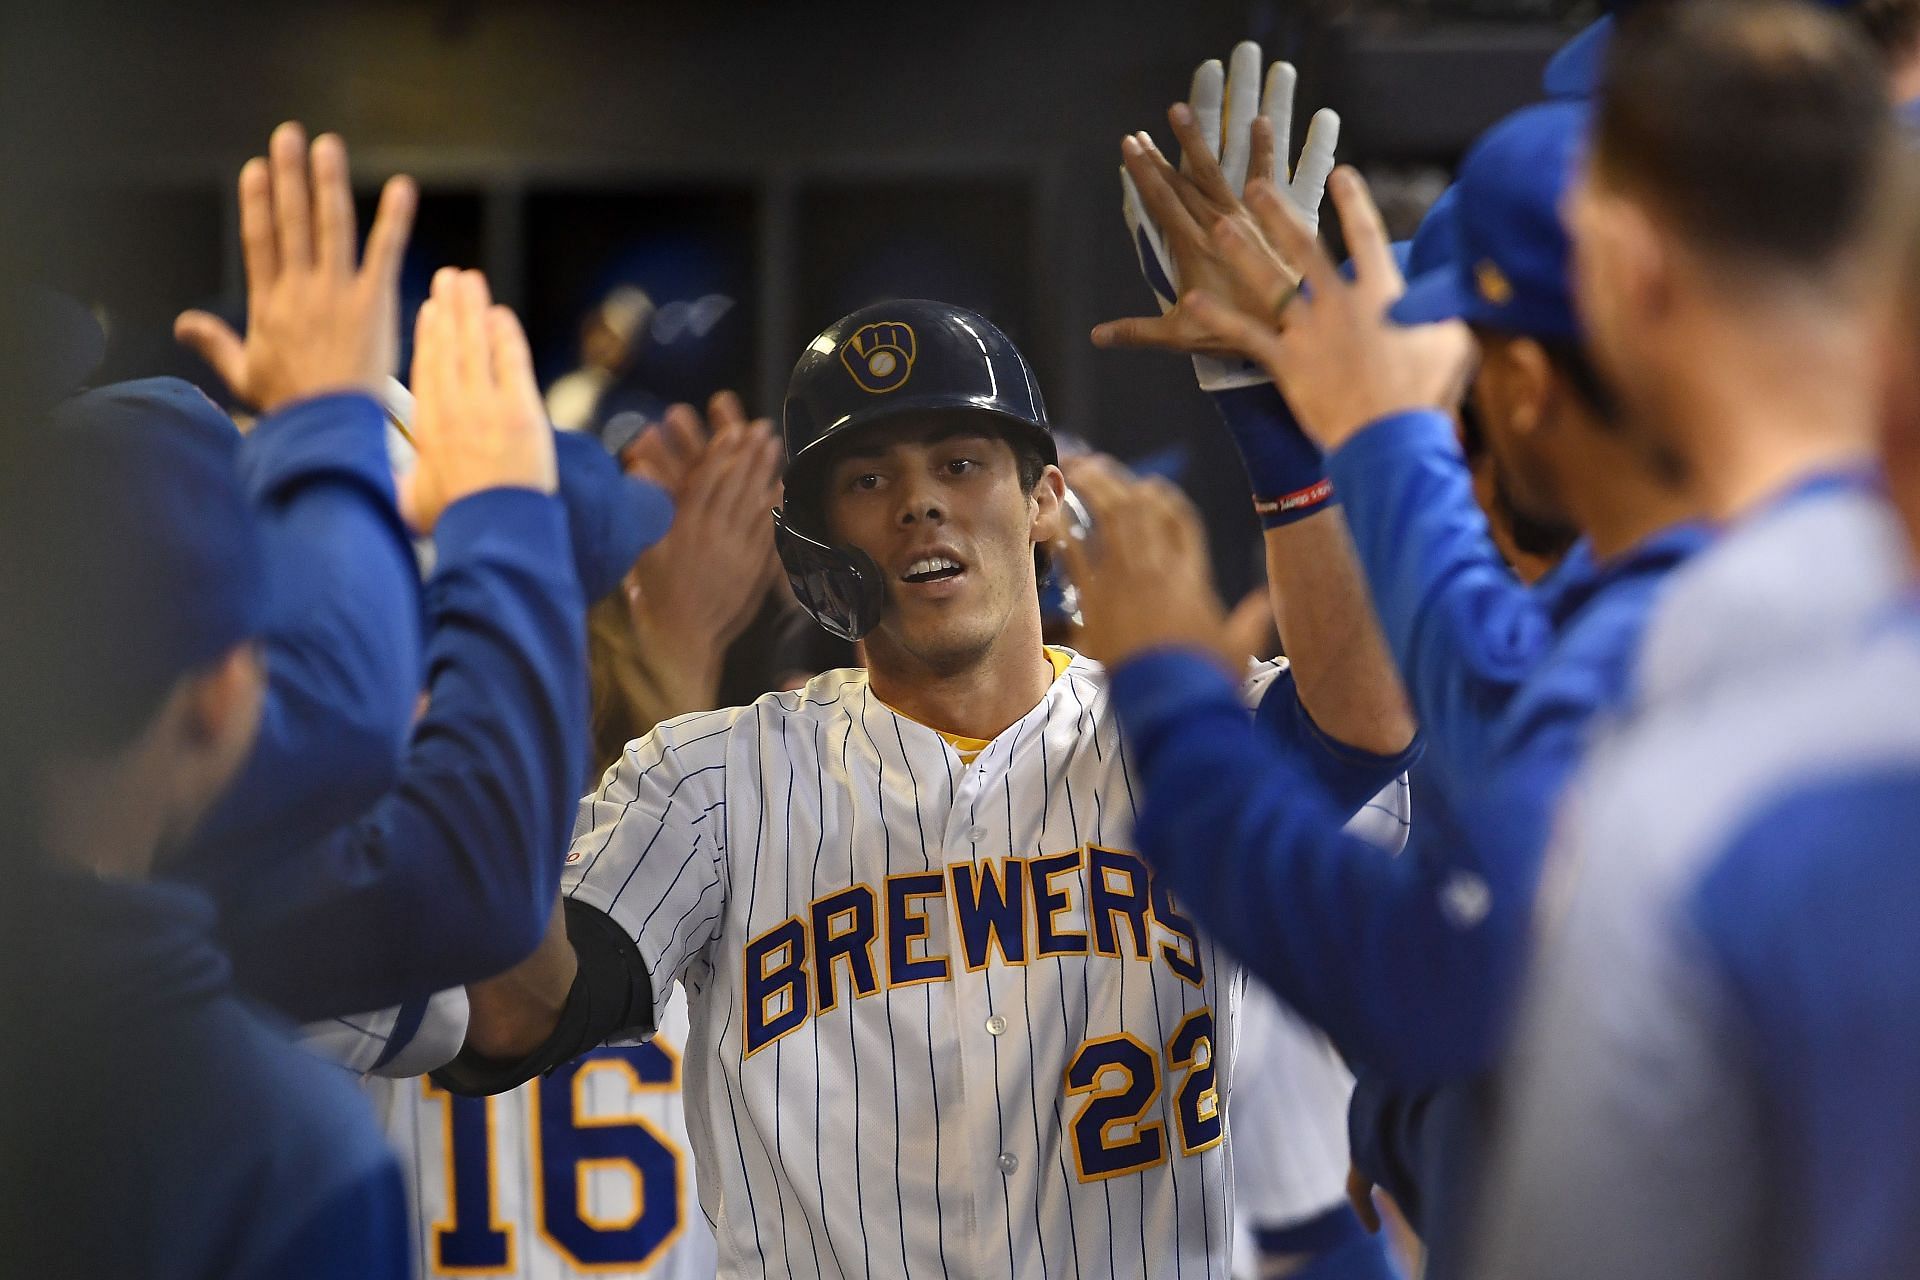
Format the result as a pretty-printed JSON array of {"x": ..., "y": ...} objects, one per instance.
[
  {"x": 1642, "y": 258},
  {"x": 1530, "y": 374},
  {"x": 221, "y": 704},
  {"x": 1499, "y": 388},
  {"x": 1046, "y": 499}
]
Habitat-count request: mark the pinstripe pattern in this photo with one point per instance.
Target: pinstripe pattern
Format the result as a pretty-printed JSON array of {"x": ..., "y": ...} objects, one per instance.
[
  {"x": 1290, "y": 1097},
  {"x": 875, "y": 1149}
]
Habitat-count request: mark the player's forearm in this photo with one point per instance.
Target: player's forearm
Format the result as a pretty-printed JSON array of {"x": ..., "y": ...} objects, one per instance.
[
  {"x": 1342, "y": 667},
  {"x": 511, "y": 1015},
  {"x": 675, "y": 670},
  {"x": 1347, "y": 776}
]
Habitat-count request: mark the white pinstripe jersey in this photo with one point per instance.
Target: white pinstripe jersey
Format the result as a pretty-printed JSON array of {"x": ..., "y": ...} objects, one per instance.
[
  {"x": 582, "y": 1172},
  {"x": 1290, "y": 1154},
  {"x": 943, "y": 1021}
]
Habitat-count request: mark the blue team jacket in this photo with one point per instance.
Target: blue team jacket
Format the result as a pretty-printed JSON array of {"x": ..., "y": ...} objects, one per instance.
[
  {"x": 1408, "y": 963},
  {"x": 432, "y": 851},
  {"x": 163, "y": 1127}
]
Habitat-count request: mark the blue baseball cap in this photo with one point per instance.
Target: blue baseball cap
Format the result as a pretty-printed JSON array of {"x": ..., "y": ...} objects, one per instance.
[
  {"x": 1432, "y": 243},
  {"x": 1574, "y": 72},
  {"x": 1503, "y": 252},
  {"x": 136, "y": 556}
]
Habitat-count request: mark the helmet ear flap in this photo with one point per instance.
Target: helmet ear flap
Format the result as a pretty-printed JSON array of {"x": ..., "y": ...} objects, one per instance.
[{"x": 841, "y": 588}]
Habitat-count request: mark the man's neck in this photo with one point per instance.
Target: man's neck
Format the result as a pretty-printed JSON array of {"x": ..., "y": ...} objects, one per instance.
[
  {"x": 1613, "y": 496},
  {"x": 102, "y": 819},
  {"x": 978, "y": 700},
  {"x": 1766, "y": 401}
]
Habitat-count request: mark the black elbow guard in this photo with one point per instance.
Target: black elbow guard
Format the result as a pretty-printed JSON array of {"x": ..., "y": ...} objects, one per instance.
[{"x": 611, "y": 996}]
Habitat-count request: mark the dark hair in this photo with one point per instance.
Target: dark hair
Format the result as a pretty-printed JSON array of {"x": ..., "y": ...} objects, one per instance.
[
  {"x": 1570, "y": 360},
  {"x": 1760, "y": 127},
  {"x": 1026, "y": 457},
  {"x": 1892, "y": 25}
]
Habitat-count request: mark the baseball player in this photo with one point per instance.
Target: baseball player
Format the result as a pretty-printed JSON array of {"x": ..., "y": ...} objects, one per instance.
[
  {"x": 1291, "y": 1147},
  {"x": 1413, "y": 974},
  {"x": 588, "y": 1169},
  {"x": 162, "y": 1126},
  {"x": 942, "y": 1019},
  {"x": 1711, "y": 1078}
]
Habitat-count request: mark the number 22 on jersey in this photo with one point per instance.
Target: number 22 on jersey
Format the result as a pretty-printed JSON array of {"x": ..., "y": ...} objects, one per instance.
[{"x": 1122, "y": 1078}]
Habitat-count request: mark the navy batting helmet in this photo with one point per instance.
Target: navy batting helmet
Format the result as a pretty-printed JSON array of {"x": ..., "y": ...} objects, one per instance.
[{"x": 884, "y": 362}]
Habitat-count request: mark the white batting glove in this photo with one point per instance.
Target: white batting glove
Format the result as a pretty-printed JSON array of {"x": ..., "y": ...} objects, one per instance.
[{"x": 1225, "y": 104}]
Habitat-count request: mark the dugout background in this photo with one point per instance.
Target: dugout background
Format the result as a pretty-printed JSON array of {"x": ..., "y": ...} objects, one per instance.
[{"x": 769, "y": 165}]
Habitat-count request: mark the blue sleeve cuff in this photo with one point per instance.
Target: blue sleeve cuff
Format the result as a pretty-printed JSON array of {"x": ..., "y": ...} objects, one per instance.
[
  {"x": 612, "y": 516},
  {"x": 342, "y": 435},
  {"x": 1357, "y": 465},
  {"x": 1332, "y": 1246}
]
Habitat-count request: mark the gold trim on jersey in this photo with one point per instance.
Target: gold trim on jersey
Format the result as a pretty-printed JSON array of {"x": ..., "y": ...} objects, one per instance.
[
  {"x": 969, "y": 749},
  {"x": 450, "y": 1223}
]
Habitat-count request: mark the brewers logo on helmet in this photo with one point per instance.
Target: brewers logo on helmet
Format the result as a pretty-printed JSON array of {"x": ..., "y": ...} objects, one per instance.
[
  {"x": 880, "y": 356},
  {"x": 883, "y": 363}
]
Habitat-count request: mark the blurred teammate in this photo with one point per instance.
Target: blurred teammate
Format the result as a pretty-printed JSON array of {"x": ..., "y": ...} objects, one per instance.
[
  {"x": 589, "y": 1170},
  {"x": 941, "y": 1018},
  {"x": 163, "y": 1126},
  {"x": 1712, "y": 1078},
  {"x": 1289, "y": 1117},
  {"x": 1413, "y": 973}
]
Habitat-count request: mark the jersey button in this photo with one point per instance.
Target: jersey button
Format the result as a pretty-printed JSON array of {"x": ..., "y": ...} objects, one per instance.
[
  {"x": 996, "y": 1025},
  {"x": 976, "y": 834},
  {"x": 1008, "y": 1162}
]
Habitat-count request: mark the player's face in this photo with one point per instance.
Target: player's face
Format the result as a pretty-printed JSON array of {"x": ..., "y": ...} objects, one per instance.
[
  {"x": 1509, "y": 394},
  {"x": 211, "y": 729},
  {"x": 941, "y": 510}
]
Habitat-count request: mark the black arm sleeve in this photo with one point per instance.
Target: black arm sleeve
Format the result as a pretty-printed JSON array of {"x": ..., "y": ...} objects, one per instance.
[{"x": 611, "y": 996}]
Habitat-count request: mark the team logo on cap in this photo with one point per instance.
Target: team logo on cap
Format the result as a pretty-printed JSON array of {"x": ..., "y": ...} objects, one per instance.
[
  {"x": 880, "y": 356},
  {"x": 1493, "y": 283}
]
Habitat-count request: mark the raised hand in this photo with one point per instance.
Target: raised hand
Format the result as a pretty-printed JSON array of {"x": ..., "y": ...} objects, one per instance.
[
  {"x": 316, "y": 322},
  {"x": 478, "y": 421},
  {"x": 1142, "y": 574},
  {"x": 706, "y": 578},
  {"x": 1340, "y": 361},
  {"x": 668, "y": 451},
  {"x": 1226, "y": 139}
]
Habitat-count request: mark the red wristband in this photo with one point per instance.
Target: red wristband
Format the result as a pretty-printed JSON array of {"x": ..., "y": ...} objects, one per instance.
[{"x": 1288, "y": 507}]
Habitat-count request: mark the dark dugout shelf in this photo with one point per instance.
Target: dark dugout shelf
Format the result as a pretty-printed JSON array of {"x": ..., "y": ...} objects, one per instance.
[{"x": 1424, "y": 93}]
